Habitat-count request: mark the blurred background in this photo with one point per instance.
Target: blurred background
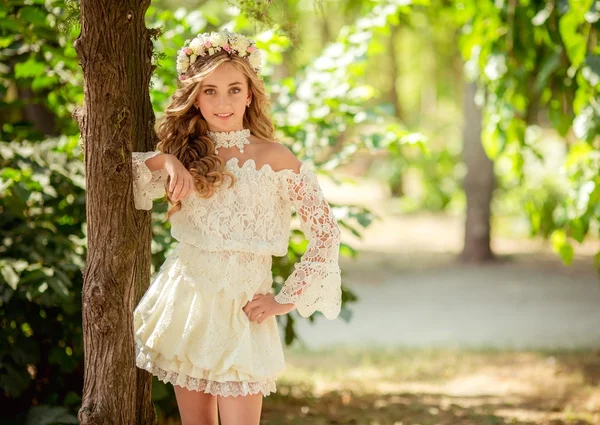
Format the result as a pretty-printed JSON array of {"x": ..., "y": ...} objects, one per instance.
[{"x": 458, "y": 142}]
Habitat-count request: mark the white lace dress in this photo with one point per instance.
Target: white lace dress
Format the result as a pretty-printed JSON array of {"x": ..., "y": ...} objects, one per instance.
[{"x": 190, "y": 329}]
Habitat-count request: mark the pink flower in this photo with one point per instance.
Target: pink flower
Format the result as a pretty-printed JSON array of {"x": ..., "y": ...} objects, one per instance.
[
  {"x": 226, "y": 47},
  {"x": 252, "y": 49},
  {"x": 188, "y": 51},
  {"x": 207, "y": 43}
]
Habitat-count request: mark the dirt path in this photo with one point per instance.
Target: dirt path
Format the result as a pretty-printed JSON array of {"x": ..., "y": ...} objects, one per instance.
[{"x": 413, "y": 293}]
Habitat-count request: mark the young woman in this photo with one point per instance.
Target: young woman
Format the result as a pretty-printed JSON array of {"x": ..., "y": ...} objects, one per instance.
[{"x": 207, "y": 322}]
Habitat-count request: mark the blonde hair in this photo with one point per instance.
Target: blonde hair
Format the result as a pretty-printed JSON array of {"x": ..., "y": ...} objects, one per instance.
[{"x": 182, "y": 129}]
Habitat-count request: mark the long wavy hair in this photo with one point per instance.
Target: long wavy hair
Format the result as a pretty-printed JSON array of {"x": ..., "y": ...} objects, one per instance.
[{"x": 182, "y": 129}]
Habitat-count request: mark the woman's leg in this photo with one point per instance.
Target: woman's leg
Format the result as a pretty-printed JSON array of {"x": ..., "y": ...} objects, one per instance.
[
  {"x": 240, "y": 410},
  {"x": 196, "y": 407}
]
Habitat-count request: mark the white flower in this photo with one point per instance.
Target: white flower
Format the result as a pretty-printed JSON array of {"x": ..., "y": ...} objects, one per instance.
[
  {"x": 256, "y": 59},
  {"x": 210, "y": 43},
  {"x": 196, "y": 45},
  {"x": 183, "y": 61},
  {"x": 203, "y": 40},
  {"x": 241, "y": 45},
  {"x": 182, "y": 65},
  {"x": 217, "y": 38}
]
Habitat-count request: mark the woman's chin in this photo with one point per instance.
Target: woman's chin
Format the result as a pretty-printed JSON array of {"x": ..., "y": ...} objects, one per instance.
[{"x": 222, "y": 124}]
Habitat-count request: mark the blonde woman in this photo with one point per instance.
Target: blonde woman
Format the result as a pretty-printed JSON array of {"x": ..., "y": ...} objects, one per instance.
[{"x": 207, "y": 322}]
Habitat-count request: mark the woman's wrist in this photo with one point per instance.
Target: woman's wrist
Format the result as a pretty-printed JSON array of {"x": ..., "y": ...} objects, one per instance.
[
  {"x": 287, "y": 307},
  {"x": 157, "y": 162}
]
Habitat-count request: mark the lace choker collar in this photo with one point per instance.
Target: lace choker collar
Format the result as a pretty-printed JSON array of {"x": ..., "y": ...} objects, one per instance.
[{"x": 224, "y": 139}]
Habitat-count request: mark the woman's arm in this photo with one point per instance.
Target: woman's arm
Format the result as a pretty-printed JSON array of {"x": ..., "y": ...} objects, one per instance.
[
  {"x": 157, "y": 162},
  {"x": 151, "y": 171},
  {"x": 315, "y": 283}
]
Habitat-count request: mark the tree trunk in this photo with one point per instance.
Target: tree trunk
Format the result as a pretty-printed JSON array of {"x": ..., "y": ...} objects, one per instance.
[
  {"x": 394, "y": 73},
  {"x": 114, "y": 49},
  {"x": 396, "y": 179},
  {"x": 478, "y": 184}
]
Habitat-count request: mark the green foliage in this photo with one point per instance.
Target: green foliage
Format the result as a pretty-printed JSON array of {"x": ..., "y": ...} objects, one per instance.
[
  {"x": 326, "y": 104},
  {"x": 39, "y": 71},
  {"x": 42, "y": 217},
  {"x": 438, "y": 176},
  {"x": 533, "y": 58},
  {"x": 50, "y": 415},
  {"x": 42, "y": 214}
]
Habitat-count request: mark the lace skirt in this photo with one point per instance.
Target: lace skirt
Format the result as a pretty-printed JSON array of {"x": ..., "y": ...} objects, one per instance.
[{"x": 190, "y": 329}]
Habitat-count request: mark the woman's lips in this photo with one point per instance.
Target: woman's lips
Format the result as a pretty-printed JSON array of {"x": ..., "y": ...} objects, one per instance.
[{"x": 224, "y": 117}]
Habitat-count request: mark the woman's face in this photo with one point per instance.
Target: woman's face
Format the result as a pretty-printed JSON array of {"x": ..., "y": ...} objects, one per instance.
[{"x": 223, "y": 98}]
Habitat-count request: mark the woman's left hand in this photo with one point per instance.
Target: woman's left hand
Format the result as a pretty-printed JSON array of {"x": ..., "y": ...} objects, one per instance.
[{"x": 263, "y": 306}]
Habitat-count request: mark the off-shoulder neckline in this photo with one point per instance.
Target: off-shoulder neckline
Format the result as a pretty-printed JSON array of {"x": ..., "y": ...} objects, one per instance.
[{"x": 250, "y": 163}]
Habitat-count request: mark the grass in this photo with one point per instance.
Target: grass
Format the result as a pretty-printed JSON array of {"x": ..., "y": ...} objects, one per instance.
[{"x": 403, "y": 386}]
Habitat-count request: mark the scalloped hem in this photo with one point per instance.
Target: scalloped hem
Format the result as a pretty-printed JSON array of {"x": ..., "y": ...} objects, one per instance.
[{"x": 216, "y": 388}]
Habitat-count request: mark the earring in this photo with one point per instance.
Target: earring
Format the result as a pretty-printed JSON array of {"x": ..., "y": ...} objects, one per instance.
[{"x": 248, "y": 104}]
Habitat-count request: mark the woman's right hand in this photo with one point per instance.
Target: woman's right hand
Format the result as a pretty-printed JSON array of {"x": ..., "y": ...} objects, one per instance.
[{"x": 182, "y": 182}]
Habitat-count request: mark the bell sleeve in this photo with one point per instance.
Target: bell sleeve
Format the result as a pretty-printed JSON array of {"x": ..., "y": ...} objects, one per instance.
[
  {"x": 147, "y": 185},
  {"x": 315, "y": 283}
]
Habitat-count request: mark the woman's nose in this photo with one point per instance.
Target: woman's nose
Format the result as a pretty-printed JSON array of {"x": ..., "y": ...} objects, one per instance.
[{"x": 222, "y": 101}]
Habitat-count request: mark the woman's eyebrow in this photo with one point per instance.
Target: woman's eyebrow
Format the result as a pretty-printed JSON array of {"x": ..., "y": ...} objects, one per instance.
[{"x": 232, "y": 84}]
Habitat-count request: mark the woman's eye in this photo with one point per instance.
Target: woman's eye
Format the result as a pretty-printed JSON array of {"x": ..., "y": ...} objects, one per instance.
[
  {"x": 207, "y": 91},
  {"x": 236, "y": 90}
]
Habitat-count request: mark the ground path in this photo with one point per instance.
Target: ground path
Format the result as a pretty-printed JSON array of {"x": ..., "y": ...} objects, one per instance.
[{"x": 413, "y": 293}]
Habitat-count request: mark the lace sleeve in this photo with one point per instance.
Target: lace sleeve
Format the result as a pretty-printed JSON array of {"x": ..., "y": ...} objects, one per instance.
[
  {"x": 315, "y": 283},
  {"x": 147, "y": 185}
]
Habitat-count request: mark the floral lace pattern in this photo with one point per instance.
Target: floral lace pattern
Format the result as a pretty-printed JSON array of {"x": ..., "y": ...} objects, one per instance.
[
  {"x": 197, "y": 332},
  {"x": 217, "y": 388},
  {"x": 147, "y": 185},
  {"x": 315, "y": 283},
  {"x": 254, "y": 216},
  {"x": 222, "y": 389},
  {"x": 211, "y": 271},
  {"x": 251, "y": 216},
  {"x": 189, "y": 326}
]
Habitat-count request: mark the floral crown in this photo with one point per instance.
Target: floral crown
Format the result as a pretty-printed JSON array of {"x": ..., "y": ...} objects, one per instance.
[{"x": 210, "y": 43}]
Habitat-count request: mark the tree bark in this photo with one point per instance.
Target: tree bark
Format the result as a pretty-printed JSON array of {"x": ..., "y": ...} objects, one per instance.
[
  {"x": 114, "y": 49},
  {"x": 478, "y": 184}
]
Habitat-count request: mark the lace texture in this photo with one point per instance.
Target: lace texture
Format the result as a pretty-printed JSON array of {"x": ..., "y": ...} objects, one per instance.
[
  {"x": 315, "y": 283},
  {"x": 147, "y": 185},
  {"x": 223, "y": 389},
  {"x": 189, "y": 326},
  {"x": 251, "y": 216},
  {"x": 254, "y": 216},
  {"x": 211, "y": 271},
  {"x": 199, "y": 333}
]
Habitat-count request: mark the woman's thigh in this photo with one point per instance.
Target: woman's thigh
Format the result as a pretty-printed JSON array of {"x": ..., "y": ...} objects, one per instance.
[
  {"x": 240, "y": 410},
  {"x": 196, "y": 407}
]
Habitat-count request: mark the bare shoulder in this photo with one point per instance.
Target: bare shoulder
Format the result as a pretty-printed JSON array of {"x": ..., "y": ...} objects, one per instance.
[{"x": 280, "y": 157}]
